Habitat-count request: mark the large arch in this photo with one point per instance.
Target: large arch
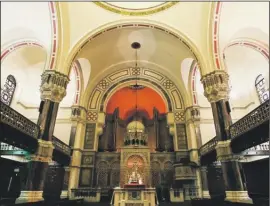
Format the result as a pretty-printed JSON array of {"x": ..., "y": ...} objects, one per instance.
[
  {"x": 164, "y": 86},
  {"x": 135, "y": 24}
]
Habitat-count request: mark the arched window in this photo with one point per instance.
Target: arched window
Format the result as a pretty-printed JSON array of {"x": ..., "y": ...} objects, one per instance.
[
  {"x": 261, "y": 89},
  {"x": 8, "y": 91}
]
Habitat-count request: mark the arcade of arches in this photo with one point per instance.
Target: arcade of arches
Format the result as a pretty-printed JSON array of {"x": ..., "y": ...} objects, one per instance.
[{"x": 181, "y": 117}]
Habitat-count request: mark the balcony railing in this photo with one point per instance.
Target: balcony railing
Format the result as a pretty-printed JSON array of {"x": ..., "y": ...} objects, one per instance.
[
  {"x": 253, "y": 119},
  {"x": 14, "y": 119},
  {"x": 88, "y": 194},
  {"x": 208, "y": 146},
  {"x": 61, "y": 146}
]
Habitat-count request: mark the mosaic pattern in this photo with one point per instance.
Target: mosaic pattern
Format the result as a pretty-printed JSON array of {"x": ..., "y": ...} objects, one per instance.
[
  {"x": 92, "y": 116},
  {"x": 179, "y": 116}
]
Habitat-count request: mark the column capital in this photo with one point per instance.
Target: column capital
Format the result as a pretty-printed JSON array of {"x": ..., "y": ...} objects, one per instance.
[
  {"x": 53, "y": 85},
  {"x": 192, "y": 114},
  {"x": 78, "y": 114},
  {"x": 216, "y": 85}
]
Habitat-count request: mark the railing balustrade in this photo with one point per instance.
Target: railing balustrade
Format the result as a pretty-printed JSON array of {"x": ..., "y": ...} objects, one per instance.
[
  {"x": 208, "y": 146},
  {"x": 14, "y": 119},
  {"x": 61, "y": 146},
  {"x": 251, "y": 120}
]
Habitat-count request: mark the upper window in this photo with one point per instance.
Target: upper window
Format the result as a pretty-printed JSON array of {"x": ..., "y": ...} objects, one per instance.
[
  {"x": 8, "y": 91},
  {"x": 261, "y": 89}
]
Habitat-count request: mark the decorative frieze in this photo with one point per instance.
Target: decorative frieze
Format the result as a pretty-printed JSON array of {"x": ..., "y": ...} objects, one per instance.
[
  {"x": 184, "y": 172},
  {"x": 181, "y": 136},
  {"x": 89, "y": 136},
  {"x": 216, "y": 86},
  {"x": 53, "y": 85}
]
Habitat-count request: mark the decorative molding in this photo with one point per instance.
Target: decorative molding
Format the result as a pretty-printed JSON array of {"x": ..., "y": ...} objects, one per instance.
[
  {"x": 19, "y": 44},
  {"x": 169, "y": 89},
  {"x": 135, "y": 12},
  {"x": 54, "y": 24},
  {"x": 250, "y": 43},
  {"x": 215, "y": 33}
]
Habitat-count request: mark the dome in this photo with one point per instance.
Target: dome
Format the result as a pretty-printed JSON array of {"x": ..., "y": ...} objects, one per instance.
[{"x": 135, "y": 126}]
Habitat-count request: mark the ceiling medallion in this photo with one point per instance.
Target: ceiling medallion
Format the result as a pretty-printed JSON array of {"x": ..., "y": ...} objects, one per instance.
[{"x": 135, "y": 12}]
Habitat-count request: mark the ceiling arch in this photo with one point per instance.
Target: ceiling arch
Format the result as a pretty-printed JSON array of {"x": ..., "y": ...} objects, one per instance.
[{"x": 153, "y": 27}]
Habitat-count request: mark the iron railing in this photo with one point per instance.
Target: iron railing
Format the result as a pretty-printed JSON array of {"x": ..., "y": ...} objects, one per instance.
[
  {"x": 14, "y": 119},
  {"x": 253, "y": 119},
  {"x": 208, "y": 146},
  {"x": 61, "y": 146}
]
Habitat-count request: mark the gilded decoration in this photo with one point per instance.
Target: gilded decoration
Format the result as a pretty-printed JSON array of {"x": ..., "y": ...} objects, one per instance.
[
  {"x": 136, "y": 12},
  {"x": 53, "y": 85},
  {"x": 216, "y": 86}
]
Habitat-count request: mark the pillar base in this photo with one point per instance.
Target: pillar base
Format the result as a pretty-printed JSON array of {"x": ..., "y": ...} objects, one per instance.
[
  {"x": 238, "y": 196},
  {"x": 64, "y": 194},
  {"x": 205, "y": 194},
  {"x": 30, "y": 196}
]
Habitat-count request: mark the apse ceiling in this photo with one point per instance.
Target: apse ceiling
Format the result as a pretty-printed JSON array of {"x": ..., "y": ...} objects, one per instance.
[
  {"x": 136, "y": 8},
  {"x": 127, "y": 98}
]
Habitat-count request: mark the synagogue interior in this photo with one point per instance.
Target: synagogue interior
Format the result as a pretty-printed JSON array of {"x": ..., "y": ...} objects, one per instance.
[{"x": 134, "y": 104}]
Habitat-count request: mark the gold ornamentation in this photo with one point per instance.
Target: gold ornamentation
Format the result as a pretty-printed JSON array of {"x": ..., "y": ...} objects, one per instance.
[
  {"x": 137, "y": 12},
  {"x": 53, "y": 85},
  {"x": 216, "y": 86}
]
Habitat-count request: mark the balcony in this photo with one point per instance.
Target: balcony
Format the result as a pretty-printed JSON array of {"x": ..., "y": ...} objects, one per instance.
[
  {"x": 251, "y": 130},
  {"x": 19, "y": 136}
]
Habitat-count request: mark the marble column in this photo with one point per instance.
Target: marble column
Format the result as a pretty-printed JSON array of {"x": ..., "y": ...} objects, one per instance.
[
  {"x": 216, "y": 90},
  {"x": 78, "y": 118},
  {"x": 53, "y": 90}
]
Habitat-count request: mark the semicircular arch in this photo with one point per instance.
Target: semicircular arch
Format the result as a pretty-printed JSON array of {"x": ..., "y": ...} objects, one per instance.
[{"x": 76, "y": 49}]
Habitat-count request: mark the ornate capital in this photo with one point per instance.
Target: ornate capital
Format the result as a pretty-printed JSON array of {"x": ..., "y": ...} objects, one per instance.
[
  {"x": 78, "y": 113},
  {"x": 216, "y": 86},
  {"x": 53, "y": 85},
  {"x": 192, "y": 114}
]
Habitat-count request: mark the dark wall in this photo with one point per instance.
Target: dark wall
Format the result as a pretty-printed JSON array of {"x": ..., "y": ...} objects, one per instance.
[{"x": 257, "y": 177}]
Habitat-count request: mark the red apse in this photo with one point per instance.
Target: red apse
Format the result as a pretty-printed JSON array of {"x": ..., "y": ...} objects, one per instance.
[{"x": 125, "y": 99}]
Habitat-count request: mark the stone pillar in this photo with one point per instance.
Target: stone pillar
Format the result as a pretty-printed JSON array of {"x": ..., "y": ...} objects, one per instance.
[
  {"x": 205, "y": 190},
  {"x": 216, "y": 90},
  {"x": 53, "y": 90},
  {"x": 78, "y": 117}
]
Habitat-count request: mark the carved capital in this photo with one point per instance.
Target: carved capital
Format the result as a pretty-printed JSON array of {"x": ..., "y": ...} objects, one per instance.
[
  {"x": 192, "y": 114},
  {"x": 224, "y": 151},
  {"x": 216, "y": 86},
  {"x": 78, "y": 114},
  {"x": 53, "y": 85}
]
